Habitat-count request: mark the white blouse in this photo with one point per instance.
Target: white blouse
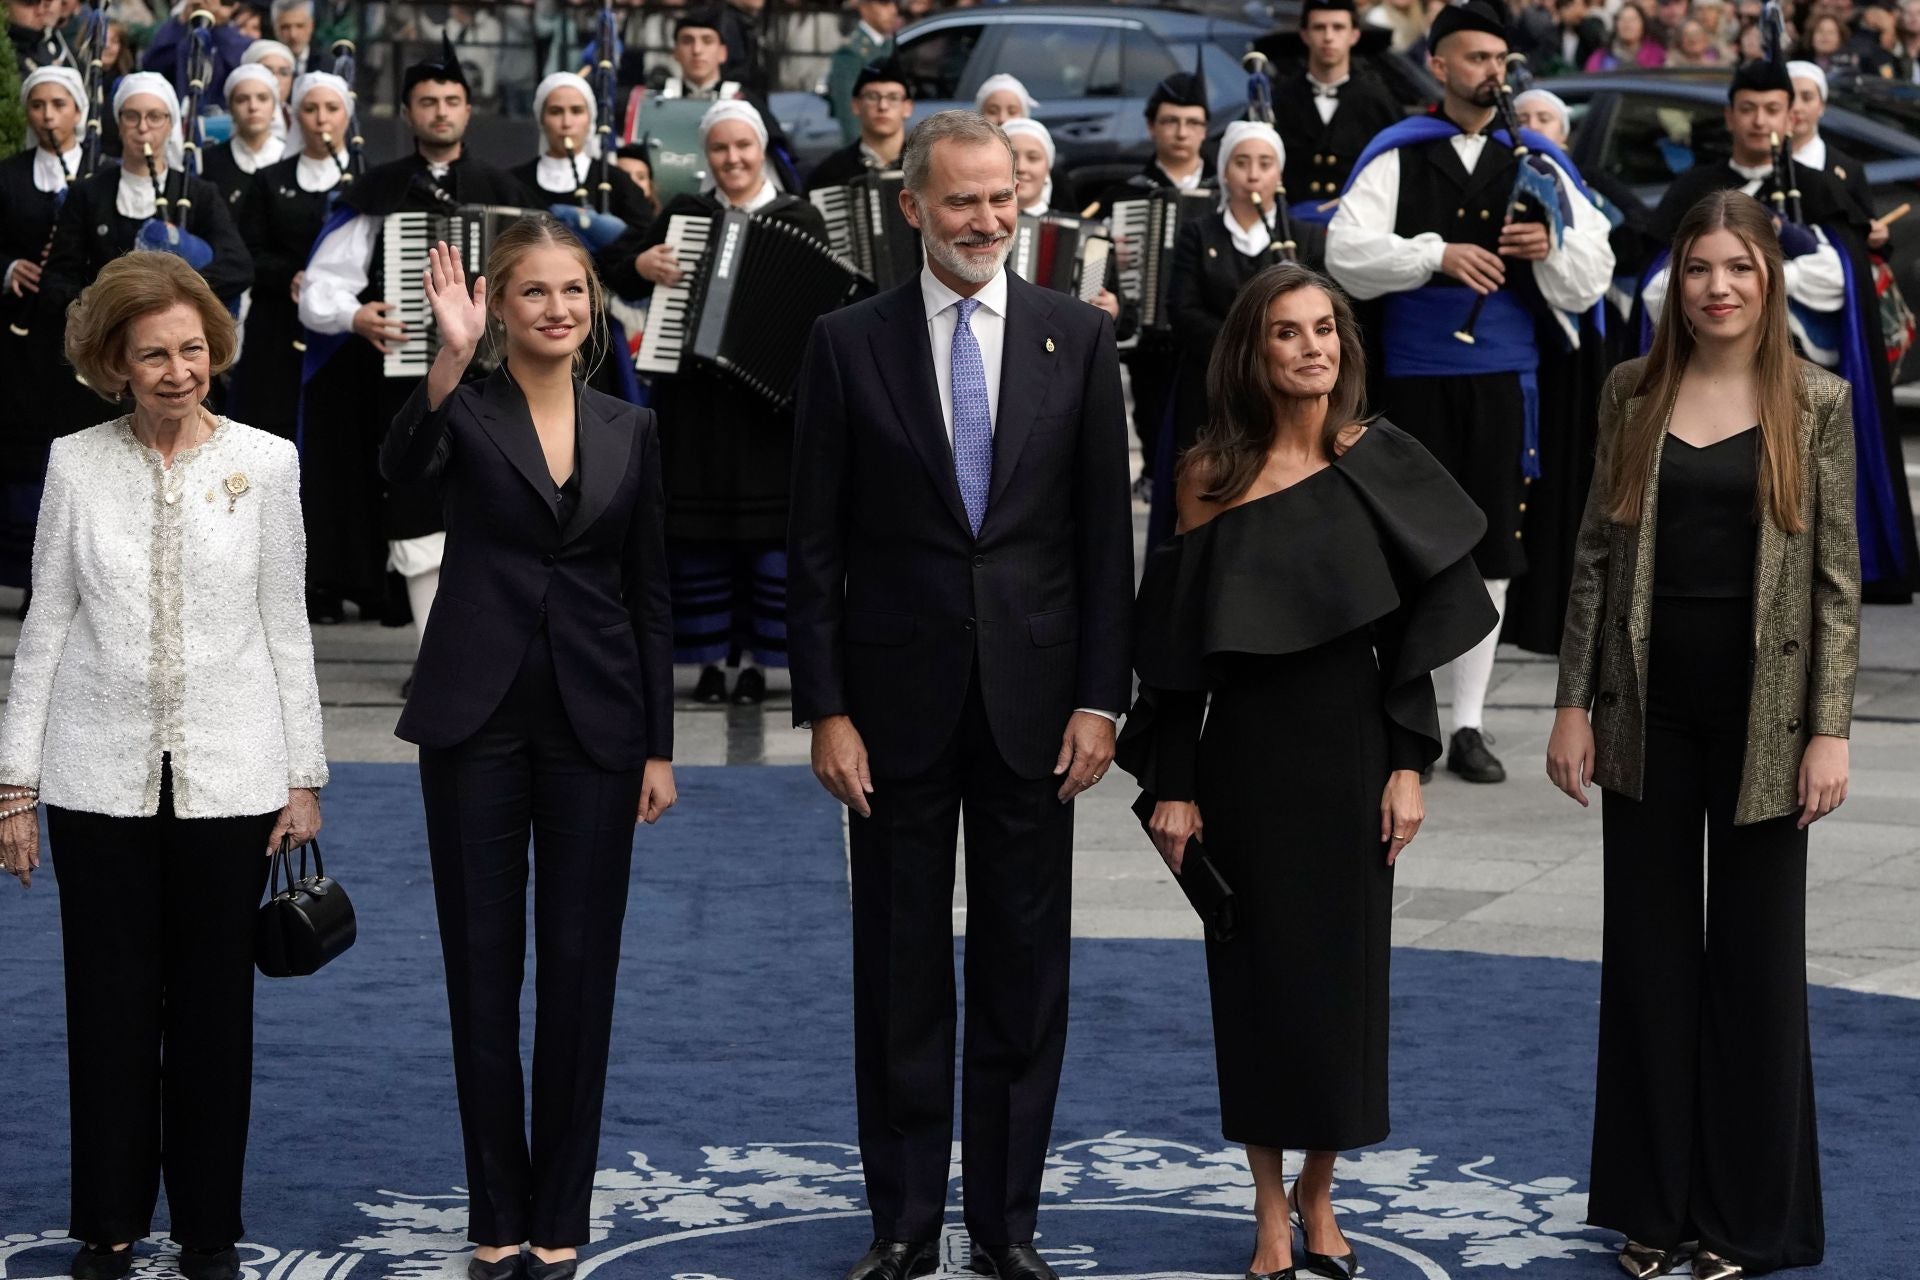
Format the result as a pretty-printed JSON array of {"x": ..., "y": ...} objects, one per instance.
[{"x": 169, "y": 618}]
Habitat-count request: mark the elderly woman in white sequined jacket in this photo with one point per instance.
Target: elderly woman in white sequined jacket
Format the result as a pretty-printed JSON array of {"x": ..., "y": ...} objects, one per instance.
[{"x": 164, "y": 709}]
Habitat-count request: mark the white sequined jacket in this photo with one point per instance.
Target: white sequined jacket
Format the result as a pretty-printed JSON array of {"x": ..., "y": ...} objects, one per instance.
[{"x": 169, "y": 618}]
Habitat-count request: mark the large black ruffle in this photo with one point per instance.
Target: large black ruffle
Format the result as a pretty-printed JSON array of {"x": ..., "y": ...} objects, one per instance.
[{"x": 1382, "y": 539}]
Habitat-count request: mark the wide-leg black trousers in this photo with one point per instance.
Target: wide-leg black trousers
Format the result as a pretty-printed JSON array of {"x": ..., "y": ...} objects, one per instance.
[
  {"x": 1019, "y": 897},
  {"x": 1704, "y": 1114},
  {"x": 156, "y": 923},
  {"x": 525, "y": 773}
]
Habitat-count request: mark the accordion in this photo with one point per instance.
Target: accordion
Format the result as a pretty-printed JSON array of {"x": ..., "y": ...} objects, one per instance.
[
  {"x": 746, "y": 303},
  {"x": 867, "y": 231},
  {"x": 405, "y": 239},
  {"x": 1062, "y": 253},
  {"x": 1144, "y": 232}
]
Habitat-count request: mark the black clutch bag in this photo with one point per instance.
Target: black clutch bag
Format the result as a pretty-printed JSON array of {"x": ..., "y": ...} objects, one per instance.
[
  {"x": 1208, "y": 891},
  {"x": 304, "y": 924}
]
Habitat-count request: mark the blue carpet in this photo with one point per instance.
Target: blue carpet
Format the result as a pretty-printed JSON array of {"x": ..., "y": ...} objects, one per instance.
[{"x": 727, "y": 1152}]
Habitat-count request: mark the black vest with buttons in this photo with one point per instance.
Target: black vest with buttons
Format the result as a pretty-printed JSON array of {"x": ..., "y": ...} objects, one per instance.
[
  {"x": 1438, "y": 195},
  {"x": 1320, "y": 156}
]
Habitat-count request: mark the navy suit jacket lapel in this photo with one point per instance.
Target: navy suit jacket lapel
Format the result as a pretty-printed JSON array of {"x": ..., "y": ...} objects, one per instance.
[
  {"x": 1029, "y": 355},
  {"x": 905, "y": 360},
  {"x": 603, "y": 452},
  {"x": 510, "y": 426}
]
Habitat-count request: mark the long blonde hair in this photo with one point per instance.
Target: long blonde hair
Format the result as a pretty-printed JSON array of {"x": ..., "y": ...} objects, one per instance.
[{"x": 1778, "y": 389}]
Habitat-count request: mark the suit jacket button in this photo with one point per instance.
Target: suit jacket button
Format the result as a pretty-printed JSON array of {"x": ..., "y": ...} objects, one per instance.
[
  {"x": 547, "y": 559},
  {"x": 978, "y": 561},
  {"x": 1608, "y": 697},
  {"x": 1791, "y": 646},
  {"x": 1793, "y": 726},
  {"x": 969, "y": 624}
]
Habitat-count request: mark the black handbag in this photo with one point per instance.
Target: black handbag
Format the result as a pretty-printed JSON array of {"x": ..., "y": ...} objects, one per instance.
[
  {"x": 1209, "y": 892},
  {"x": 305, "y": 924}
]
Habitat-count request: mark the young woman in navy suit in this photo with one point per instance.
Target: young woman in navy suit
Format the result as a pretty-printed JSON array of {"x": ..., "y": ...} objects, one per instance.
[{"x": 543, "y": 707}]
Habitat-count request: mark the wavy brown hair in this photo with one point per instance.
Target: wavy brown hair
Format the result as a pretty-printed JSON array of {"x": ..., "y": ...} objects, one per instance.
[
  {"x": 1779, "y": 390},
  {"x": 1233, "y": 445}
]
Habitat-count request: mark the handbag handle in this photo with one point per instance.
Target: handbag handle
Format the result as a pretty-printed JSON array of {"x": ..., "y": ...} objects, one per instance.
[{"x": 283, "y": 862}]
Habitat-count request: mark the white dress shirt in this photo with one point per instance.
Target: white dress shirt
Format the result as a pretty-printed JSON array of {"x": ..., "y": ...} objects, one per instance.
[
  {"x": 340, "y": 267},
  {"x": 1813, "y": 155},
  {"x": 1369, "y": 260},
  {"x": 251, "y": 161},
  {"x": 1249, "y": 241},
  {"x": 316, "y": 174},
  {"x": 759, "y": 200},
  {"x": 989, "y": 326},
  {"x": 1817, "y": 280},
  {"x": 1188, "y": 181},
  {"x": 52, "y": 172},
  {"x": 133, "y": 198},
  {"x": 1326, "y": 103},
  {"x": 561, "y": 174},
  {"x": 169, "y": 617}
]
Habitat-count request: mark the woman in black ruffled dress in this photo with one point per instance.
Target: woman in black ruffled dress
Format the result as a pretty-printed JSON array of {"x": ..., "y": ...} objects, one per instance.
[{"x": 1321, "y": 571}]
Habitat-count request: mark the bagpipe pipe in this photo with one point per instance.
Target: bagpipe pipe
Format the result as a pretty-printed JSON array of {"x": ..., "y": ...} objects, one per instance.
[
  {"x": 346, "y": 65},
  {"x": 162, "y": 233},
  {"x": 1536, "y": 195},
  {"x": 1283, "y": 247},
  {"x": 590, "y": 216}
]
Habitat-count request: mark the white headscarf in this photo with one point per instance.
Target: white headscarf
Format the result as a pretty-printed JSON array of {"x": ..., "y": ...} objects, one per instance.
[
  {"x": 1023, "y": 126},
  {"x": 261, "y": 49},
  {"x": 1552, "y": 101},
  {"x": 737, "y": 109},
  {"x": 250, "y": 71},
  {"x": 578, "y": 83},
  {"x": 1003, "y": 82},
  {"x": 1809, "y": 71},
  {"x": 135, "y": 83},
  {"x": 68, "y": 79},
  {"x": 296, "y": 140}
]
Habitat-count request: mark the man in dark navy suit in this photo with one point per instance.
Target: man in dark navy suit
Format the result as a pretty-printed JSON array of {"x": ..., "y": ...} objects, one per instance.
[{"x": 961, "y": 575}]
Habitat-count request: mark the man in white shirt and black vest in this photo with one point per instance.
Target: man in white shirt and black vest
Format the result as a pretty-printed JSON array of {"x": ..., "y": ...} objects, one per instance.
[
  {"x": 1427, "y": 227},
  {"x": 1331, "y": 109}
]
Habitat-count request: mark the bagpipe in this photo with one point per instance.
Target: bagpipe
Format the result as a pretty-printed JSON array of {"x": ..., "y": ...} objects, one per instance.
[
  {"x": 162, "y": 233},
  {"x": 1260, "y": 111},
  {"x": 346, "y": 65},
  {"x": 1536, "y": 195},
  {"x": 590, "y": 216}
]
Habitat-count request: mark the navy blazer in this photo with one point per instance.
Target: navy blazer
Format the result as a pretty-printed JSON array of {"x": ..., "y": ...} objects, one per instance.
[
  {"x": 892, "y": 604},
  {"x": 600, "y": 582}
]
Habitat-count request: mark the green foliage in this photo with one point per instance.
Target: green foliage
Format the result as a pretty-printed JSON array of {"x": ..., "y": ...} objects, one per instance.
[{"x": 13, "y": 115}]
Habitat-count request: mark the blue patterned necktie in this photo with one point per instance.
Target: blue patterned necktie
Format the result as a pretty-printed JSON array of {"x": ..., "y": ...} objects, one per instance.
[{"x": 972, "y": 422}]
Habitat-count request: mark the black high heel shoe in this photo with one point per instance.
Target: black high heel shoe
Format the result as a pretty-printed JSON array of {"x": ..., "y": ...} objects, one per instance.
[
  {"x": 1643, "y": 1261},
  {"x": 507, "y": 1268},
  {"x": 1334, "y": 1266},
  {"x": 100, "y": 1262},
  {"x": 1708, "y": 1265}
]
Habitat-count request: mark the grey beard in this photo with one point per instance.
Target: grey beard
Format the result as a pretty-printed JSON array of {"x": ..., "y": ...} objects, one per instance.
[{"x": 971, "y": 270}]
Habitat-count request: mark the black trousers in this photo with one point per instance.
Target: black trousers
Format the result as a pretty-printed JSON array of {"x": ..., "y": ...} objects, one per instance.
[
  {"x": 156, "y": 923},
  {"x": 525, "y": 772},
  {"x": 1704, "y": 1115},
  {"x": 1150, "y": 371},
  {"x": 1019, "y": 895}
]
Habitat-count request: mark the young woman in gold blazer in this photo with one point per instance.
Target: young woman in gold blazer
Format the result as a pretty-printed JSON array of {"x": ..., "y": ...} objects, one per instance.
[{"x": 1713, "y": 634}]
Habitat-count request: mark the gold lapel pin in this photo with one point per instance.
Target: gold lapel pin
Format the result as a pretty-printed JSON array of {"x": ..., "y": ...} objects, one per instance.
[
  {"x": 1049, "y": 344},
  {"x": 235, "y": 486}
]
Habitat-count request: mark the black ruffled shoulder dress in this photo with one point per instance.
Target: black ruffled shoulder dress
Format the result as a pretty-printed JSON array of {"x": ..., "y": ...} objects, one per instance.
[{"x": 1300, "y": 629}]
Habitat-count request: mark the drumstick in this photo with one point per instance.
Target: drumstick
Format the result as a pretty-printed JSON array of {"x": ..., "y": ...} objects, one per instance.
[{"x": 1892, "y": 216}]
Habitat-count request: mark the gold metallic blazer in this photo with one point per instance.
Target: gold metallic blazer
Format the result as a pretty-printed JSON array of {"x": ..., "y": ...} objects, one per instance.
[{"x": 1806, "y": 623}]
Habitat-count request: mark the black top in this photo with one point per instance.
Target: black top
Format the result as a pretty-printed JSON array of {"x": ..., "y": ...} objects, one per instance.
[
  {"x": 1704, "y": 528},
  {"x": 566, "y": 494},
  {"x": 1381, "y": 540}
]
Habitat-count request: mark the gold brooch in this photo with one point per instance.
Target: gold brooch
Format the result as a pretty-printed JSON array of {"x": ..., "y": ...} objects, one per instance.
[
  {"x": 236, "y": 485},
  {"x": 1049, "y": 344}
]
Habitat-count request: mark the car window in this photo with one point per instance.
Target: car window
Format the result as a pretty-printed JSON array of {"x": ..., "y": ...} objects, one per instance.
[
  {"x": 1147, "y": 64},
  {"x": 1653, "y": 139},
  {"x": 1069, "y": 61},
  {"x": 936, "y": 61}
]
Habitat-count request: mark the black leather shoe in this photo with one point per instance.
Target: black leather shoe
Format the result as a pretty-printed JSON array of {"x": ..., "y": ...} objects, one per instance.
[
  {"x": 210, "y": 1264},
  {"x": 561, "y": 1270},
  {"x": 1284, "y": 1273},
  {"x": 1643, "y": 1261},
  {"x": 1467, "y": 755},
  {"x": 1010, "y": 1262},
  {"x": 897, "y": 1260},
  {"x": 100, "y": 1262},
  {"x": 750, "y": 688},
  {"x": 507, "y": 1268},
  {"x": 712, "y": 688},
  {"x": 1334, "y": 1266},
  {"x": 1708, "y": 1265}
]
